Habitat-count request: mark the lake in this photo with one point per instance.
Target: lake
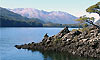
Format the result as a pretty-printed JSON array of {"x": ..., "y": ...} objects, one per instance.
[{"x": 17, "y": 36}]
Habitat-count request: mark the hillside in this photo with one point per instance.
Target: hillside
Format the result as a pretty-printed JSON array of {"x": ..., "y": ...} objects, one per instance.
[
  {"x": 11, "y": 19},
  {"x": 53, "y": 16}
]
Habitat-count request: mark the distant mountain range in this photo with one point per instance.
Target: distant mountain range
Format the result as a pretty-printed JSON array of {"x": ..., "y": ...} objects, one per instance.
[
  {"x": 11, "y": 19},
  {"x": 53, "y": 16}
]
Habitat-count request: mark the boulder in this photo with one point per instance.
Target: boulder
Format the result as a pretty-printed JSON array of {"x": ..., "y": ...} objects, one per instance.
[
  {"x": 18, "y": 46},
  {"x": 46, "y": 35},
  {"x": 62, "y": 33}
]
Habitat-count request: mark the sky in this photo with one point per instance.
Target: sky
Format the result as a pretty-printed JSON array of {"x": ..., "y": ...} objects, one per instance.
[{"x": 74, "y": 7}]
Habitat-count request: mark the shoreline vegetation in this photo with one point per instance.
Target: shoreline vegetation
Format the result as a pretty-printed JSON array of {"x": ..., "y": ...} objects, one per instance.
[
  {"x": 50, "y": 25},
  {"x": 83, "y": 42}
]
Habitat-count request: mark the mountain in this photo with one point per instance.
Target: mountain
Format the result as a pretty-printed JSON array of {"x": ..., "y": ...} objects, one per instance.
[
  {"x": 9, "y": 19},
  {"x": 53, "y": 16}
]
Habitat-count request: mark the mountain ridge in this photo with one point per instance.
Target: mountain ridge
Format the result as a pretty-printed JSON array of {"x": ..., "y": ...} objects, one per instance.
[
  {"x": 11, "y": 19},
  {"x": 52, "y": 16}
]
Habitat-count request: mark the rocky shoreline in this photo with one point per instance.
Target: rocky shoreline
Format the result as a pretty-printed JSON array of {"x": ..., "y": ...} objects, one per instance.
[{"x": 83, "y": 43}]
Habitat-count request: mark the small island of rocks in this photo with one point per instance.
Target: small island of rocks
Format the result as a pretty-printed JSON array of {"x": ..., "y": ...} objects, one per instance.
[{"x": 83, "y": 42}]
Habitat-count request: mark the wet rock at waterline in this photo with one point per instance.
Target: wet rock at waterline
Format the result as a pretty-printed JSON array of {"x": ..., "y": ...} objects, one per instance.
[{"x": 83, "y": 43}]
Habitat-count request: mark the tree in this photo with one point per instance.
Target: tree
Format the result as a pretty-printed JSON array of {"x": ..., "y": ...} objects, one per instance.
[
  {"x": 94, "y": 8},
  {"x": 87, "y": 20},
  {"x": 90, "y": 20}
]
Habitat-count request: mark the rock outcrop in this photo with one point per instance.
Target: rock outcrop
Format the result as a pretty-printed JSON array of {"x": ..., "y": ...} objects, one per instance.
[{"x": 83, "y": 43}]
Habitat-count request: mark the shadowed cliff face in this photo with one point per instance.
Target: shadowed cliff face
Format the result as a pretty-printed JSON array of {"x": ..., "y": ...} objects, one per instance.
[{"x": 83, "y": 42}]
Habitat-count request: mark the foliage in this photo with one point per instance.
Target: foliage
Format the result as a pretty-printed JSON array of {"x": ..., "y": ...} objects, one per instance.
[
  {"x": 94, "y": 8},
  {"x": 74, "y": 29},
  {"x": 62, "y": 25},
  {"x": 85, "y": 29},
  {"x": 90, "y": 20},
  {"x": 6, "y": 22},
  {"x": 85, "y": 20}
]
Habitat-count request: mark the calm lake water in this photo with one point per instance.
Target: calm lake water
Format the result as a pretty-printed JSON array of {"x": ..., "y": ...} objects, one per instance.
[{"x": 17, "y": 36}]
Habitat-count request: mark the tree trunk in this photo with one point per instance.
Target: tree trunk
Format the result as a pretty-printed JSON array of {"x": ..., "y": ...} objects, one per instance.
[{"x": 90, "y": 22}]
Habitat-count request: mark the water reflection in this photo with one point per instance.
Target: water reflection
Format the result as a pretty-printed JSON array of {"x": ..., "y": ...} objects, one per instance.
[{"x": 50, "y": 55}]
